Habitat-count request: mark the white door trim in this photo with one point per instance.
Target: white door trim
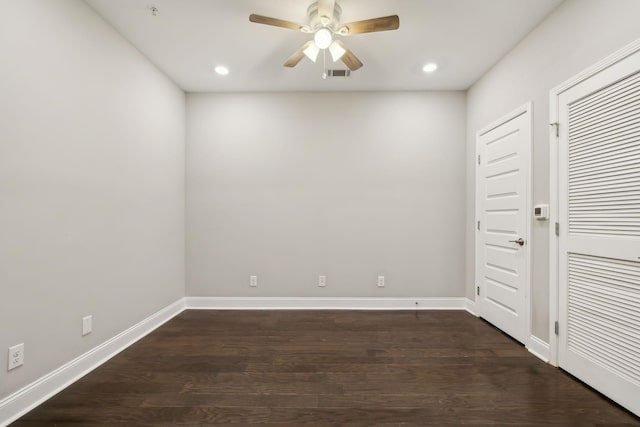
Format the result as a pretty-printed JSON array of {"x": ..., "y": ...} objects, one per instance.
[
  {"x": 554, "y": 208},
  {"x": 523, "y": 109}
]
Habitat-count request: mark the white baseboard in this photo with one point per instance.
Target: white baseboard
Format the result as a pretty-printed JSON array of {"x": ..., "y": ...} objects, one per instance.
[
  {"x": 470, "y": 306},
  {"x": 313, "y": 303},
  {"x": 19, "y": 403},
  {"x": 539, "y": 348}
]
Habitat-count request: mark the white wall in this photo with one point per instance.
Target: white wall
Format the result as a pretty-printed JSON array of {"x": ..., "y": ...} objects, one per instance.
[
  {"x": 350, "y": 185},
  {"x": 578, "y": 34},
  {"x": 91, "y": 185}
]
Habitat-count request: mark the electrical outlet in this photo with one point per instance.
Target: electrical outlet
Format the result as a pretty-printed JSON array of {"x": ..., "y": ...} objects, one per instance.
[
  {"x": 16, "y": 356},
  {"x": 322, "y": 281},
  {"x": 381, "y": 281},
  {"x": 87, "y": 326},
  {"x": 253, "y": 281}
]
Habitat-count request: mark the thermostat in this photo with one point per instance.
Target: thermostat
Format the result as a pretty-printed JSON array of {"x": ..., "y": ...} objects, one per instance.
[{"x": 541, "y": 212}]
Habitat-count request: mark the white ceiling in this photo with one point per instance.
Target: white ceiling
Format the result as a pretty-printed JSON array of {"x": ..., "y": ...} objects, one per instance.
[{"x": 188, "y": 38}]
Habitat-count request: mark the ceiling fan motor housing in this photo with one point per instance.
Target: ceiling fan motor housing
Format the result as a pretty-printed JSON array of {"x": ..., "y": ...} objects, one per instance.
[{"x": 315, "y": 21}]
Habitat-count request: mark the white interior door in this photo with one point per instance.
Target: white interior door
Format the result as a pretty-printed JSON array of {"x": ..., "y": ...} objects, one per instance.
[
  {"x": 502, "y": 205},
  {"x": 599, "y": 242}
]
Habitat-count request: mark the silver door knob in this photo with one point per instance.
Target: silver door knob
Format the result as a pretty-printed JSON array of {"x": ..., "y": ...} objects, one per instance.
[{"x": 520, "y": 241}]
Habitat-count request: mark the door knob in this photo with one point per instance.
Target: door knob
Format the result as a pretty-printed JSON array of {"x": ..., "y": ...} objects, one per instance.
[{"x": 520, "y": 241}]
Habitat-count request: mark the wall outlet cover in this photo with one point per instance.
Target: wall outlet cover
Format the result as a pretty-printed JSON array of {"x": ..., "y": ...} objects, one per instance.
[
  {"x": 16, "y": 356},
  {"x": 322, "y": 281}
]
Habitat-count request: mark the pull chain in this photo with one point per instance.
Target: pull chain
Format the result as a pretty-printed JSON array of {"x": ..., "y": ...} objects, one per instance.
[{"x": 324, "y": 64}]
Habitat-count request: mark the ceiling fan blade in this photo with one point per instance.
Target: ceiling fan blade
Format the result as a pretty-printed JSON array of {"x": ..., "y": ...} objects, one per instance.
[
  {"x": 297, "y": 56},
  {"x": 385, "y": 23},
  {"x": 325, "y": 8},
  {"x": 349, "y": 59},
  {"x": 259, "y": 19}
]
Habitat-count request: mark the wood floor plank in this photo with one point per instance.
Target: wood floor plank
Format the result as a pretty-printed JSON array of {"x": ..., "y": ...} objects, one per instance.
[{"x": 327, "y": 368}]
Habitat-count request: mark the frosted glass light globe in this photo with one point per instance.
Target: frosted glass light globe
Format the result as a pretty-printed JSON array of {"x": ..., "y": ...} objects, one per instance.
[{"x": 323, "y": 38}]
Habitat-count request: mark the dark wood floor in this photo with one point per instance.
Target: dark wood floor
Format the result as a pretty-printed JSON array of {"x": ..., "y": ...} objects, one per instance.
[{"x": 320, "y": 368}]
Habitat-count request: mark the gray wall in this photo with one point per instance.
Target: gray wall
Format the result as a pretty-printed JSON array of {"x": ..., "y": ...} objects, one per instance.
[
  {"x": 578, "y": 34},
  {"x": 284, "y": 186},
  {"x": 91, "y": 185},
  {"x": 350, "y": 185}
]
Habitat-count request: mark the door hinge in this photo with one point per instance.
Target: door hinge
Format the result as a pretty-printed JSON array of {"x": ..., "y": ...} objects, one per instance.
[
  {"x": 557, "y": 228},
  {"x": 478, "y": 225},
  {"x": 478, "y": 158},
  {"x": 557, "y": 126},
  {"x": 557, "y": 328},
  {"x": 478, "y": 290}
]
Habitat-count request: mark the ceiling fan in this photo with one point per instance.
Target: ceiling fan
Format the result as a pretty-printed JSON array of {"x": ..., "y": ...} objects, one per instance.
[{"x": 324, "y": 24}]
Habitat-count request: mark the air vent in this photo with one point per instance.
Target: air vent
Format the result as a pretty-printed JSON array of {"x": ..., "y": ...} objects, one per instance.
[{"x": 338, "y": 73}]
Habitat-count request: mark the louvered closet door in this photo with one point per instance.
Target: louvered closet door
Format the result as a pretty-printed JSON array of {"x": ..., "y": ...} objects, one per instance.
[{"x": 599, "y": 200}]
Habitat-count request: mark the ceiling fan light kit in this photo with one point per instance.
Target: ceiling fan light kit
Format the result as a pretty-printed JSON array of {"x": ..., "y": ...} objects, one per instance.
[
  {"x": 336, "y": 51},
  {"x": 324, "y": 24},
  {"x": 323, "y": 38},
  {"x": 312, "y": 51}
]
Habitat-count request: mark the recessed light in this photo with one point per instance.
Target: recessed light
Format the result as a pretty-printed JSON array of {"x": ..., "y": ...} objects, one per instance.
[
  {"x": 221, "y": 70},
  {"x": 430, "y": 67}
]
